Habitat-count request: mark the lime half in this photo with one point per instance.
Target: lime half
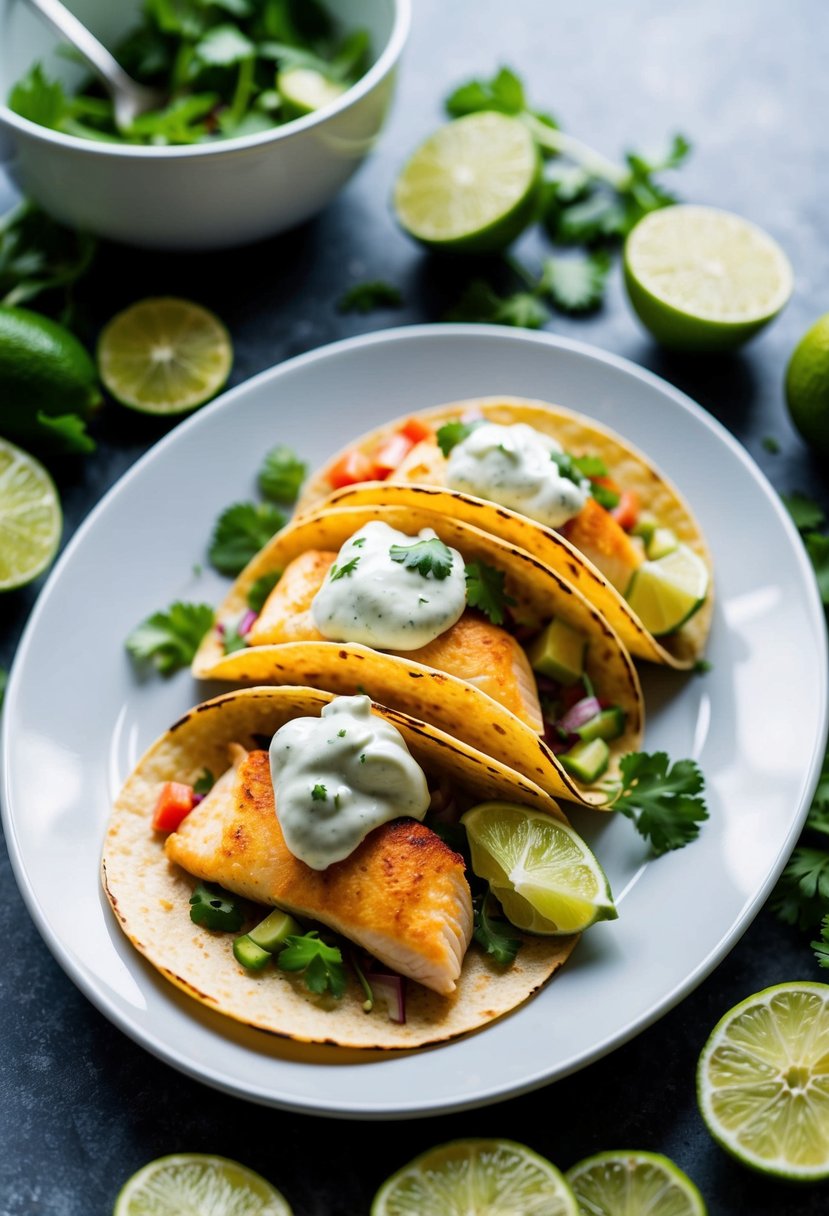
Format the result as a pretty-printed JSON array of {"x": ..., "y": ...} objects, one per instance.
[
  {"x": 476, "y": 1178},
  {"x": 30, "y": 517},
  {"x": 666, "y": 592},
  {"x": 164, "y": 356},
  {"x": 472, "y": 186},
  {"x": 197, "y": 1184},
  {"x": 305, "y": 90},
  {"x": 703, "y": 279},
  {"x": 543, "y": 874},
  {"x": 807, "y": 386},
  {"x": 621, "y": 1184},
  {"x": 763, "y": 1081}
]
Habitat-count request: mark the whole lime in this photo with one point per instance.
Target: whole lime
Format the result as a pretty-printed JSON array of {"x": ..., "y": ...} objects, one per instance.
[
  {"x": 44, "y": 371},
  {"x": 807, "y": 386}
]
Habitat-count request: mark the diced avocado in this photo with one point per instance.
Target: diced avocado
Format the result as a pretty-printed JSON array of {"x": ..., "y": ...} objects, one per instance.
[
  {"x": 645, "y": 527},
  {"x": 270, "y": 933},
  {"x": 607, "y": 724},
  {"x": 246, "y": 952},
  {"x": 558, "y": 652},
  {"x": 661, "y": 542},
  {"x": 587, "y": 760}
]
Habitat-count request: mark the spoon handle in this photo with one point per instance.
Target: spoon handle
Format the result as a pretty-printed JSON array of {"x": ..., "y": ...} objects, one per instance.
[{"x": 94, "y": 52}]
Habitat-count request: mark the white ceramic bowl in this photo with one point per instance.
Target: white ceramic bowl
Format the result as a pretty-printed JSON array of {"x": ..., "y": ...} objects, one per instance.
[{"x": 203, "y": 196}]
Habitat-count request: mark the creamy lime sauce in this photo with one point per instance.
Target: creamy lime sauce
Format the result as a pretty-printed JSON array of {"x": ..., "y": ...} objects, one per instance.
[
  {"x": 511, "y": 465},
  {"x": 337, "y": 777},
  {"x": 370, "y": 597}
]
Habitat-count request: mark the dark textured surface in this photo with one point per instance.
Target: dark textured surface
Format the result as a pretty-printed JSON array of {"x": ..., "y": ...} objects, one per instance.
[{"x": 81, "y": 1106}]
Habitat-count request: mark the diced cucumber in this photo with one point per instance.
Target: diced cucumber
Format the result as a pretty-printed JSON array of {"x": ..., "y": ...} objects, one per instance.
[
  {"x": 558, "y": 652},
  {"x": 661, "y": 542},
  {"x": 587, "y": 760},
  {"x": 270, "y": 933},
  {"x": 246, "y": 952},
  {"x": 607, "y": 724}
]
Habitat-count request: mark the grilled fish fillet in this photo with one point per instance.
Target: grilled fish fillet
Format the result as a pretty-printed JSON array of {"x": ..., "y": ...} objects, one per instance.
[
  {"x": 472, "y": 649},
  {"x": 401, "y": 895},
  {"x": 605, "y": 543}
]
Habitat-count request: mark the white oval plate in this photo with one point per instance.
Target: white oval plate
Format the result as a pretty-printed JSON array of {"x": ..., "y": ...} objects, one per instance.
[{"x": 77, "y": 717}]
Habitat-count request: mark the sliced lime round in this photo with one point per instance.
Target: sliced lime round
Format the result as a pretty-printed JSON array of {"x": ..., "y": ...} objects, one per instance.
[
  {"x": 476, "y": 1178},
  {"x": 621, "y": 1184},
  {"x": 195, "y": 1184},
  {"x": 304, "y": 90},
  {"x": 543, "y": 874},
  {"x": 30, "y": 517},
  {"x": 666, "y": 592},
  {"x": 471, "y": 187},
  {"x": 763, "y": 1081}
]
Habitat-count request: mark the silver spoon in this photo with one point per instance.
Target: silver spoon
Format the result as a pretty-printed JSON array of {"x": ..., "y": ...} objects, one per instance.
[{"x": 129, "y": 98}]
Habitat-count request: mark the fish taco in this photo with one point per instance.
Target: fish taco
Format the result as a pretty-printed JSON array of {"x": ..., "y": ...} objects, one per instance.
[
  {"x": 560, "y": 485},
  {"x": 281, "y": 855},
  {"x": 444, "y": 621}
]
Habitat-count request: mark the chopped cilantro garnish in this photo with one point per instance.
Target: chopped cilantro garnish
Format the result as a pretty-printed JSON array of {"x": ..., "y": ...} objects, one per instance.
[
  {"x": 426, "y": 556},
  {"x": 493, "y": 933},
  {"x": 204, "y": 784},
  {"x": 568, "y": 467},
  {"x": 232, "y": 639},
  {"x": 479, "y": 302},
  {"x": 341, "y": 733},
  {"x": 770, "y": 444},
  {"x": 367, "y": 297},
  {"x": 169, "y": 639},
  {"x": 663, "y": 801},
  {"x": 576, "y": 283},
  {"x": 801, "y": 896},
  {"x": 322, "y": 964},
  {"x": 590, "y": 466},
  {"x": 702, "y": 667},
  {"x": 806, "y": 514},
  {"x": 214, "y": 908},
  {"x": 604, "y": 496},
  {"x": 362, "y": 757},
  {"x": 358, "y": 543},
  {"x": 452, "y": 433},
  {"x": 347, "y": 568},
  {"x": 281, "y": 474},
  {"x": 240, "y": 532},
  {"x": 319, "y": 793},
  {"x": 259, "y": 591},
  {"x": 485, "y": 591}
]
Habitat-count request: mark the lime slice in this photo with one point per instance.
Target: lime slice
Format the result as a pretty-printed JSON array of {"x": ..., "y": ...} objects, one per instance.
[
  {"x": 666, "y": 592},
  {"x": 30, "y": 517},
  {"x": 195, "y": 1184},
  {"x": 476, "y": 1178},
  {"x": 304, "y": 90},
  {"x": 472, "y": 186},
  {"x": 703, "y": 279},
  {"x": 807, "y": 386},
  {"x": 763, "y": 1081},
  {"x": 164, "y": 356},
  {"x": 623, "y": 1184},
  {"x": 544, "y": 875}
]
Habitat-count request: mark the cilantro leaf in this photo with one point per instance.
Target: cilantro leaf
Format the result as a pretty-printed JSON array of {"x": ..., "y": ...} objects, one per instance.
[
  {"x": 485, "y": 591},
  {"x": 821, "y": 947},
  {"x": 702, "y": 667},
  {"x": 183, "y": 121},
  {"x": 232, "y": 639},
  {"x": 319, "y": 793},
  {"x": 817, "y": 546},
  {"x": 493, "y": 933},
  {"x": 576, "y": 284},
  {"x": 480, "y": 303},
  {"x": 569, "y": 467},
  {"x": 770, "y": 444},
  {"x": 223, "y": 46},
  {"x": 259, "y": 591},
  {"x": 663, "y": 802},
  {"x": 426, "y": 556},
  {"x": 452, "y": 433},
  {"x": 281, "y": 474},
  {"x": 65, "y": 432},
  {"x": 40, "y": 100},
  {"x": 504, "y": 92},
  {"x": 322, "y": 964},
  {"x": 644, "y": 166},
  {"x": 801, "y": 896},
  {"x": 366, "y": 297},
  {"x": 38, "y": 255},
  {"x": 240, "y": 532},
  {"x": 602, "y": 214},
  {"x": 805, "y": 512},
  {"x": 590, "y": 466},
  {"x": 605, "y": 497},
  {"x": 169, "y": 639},
  {"x": 204, "y": 783},
  {"x": 347, "y": 568}
]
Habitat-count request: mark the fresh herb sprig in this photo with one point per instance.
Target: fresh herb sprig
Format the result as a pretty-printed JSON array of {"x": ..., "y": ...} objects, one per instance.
[
  {"x": 240, "y": 532},
  {"x": 809, "y": 518},
  {"x": 321, "y": 964},
  {"x": 425, "y": 556},
  {"x": 663, "y": 800},
  {"x": 493, "y": 932},
  {"x": 39, "y": 256},
  {"x": 281, "y": 475},
  {"x": 370, "y": 296},
  {"x": 485, "y": 591},
  {"x": 169, "y": 639},
  {"x": 801, "y": 897}
]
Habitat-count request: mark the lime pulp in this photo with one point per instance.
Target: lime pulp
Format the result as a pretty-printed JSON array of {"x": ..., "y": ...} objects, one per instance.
[
  {"x": 621, "y": 1183},
  {"x": 30, "y": 517},
  {"x": 194, "y": 1184},
  {"x": 666, "y": 592}
]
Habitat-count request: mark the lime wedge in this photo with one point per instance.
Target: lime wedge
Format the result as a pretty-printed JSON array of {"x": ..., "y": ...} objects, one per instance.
[
  {"x": 703, "y": 279},
  {"x": 30, "y": 517},
  {"x": 164, "y": 356},
  {"x": 303, "y": 90},
  {"x": 763, "y": 1081},
  {"x": 472, "y": 186},
  {"x": 666, "y": 592},
  {"x": 620, "y": 1184},
  {"x": 476, "y": 1178},
  {"x": 543, "y": 874},
  {"x": 194, "y": 1184}
]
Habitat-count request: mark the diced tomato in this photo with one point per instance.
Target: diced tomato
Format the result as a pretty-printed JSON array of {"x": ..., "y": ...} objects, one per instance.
[
  {"x": 350, "y": 469},
  {"x": 416, "y": 430},
  {"x": 175, "y": 801},
  {"x": 391, "y": 452},
  {"x": 607, "y": 482},
  {"x": 627, "y": 511}
]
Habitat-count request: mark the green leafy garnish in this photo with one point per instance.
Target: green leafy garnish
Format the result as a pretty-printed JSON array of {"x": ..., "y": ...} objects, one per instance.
[
  {"x": 319, "y": 793},
  {"x": 65, "y": 432},
  {"x": 347, "y": 568},
  {"x": 770, "y": 444},
  {"x": 367, "y": 297},
  {"x": 575, "y": 284},
  {"x": 702, "y": 667},
  {"x": 493, "y": 933},
  {"x": 322, "y": 964},
  {"x": 806, "y": 514},
  {"x": 504, "y": 92},
  {"x": 240, "y": 532},
  {"x": 232, "y": 639},
  {"x": 485, "y": 591},
  {"x": 801, "y": 896},
  {"x": 40, "y": 100},
  {"x": 281, "y": 474},
  {"x": 452, "y": 433},
  {"x": 663, "y": 801},
  {"x": 214, "y": 908},
  {"x": 821, "y": 947},
  {"x": 817, "y": 546},
  {"x": 169, "y": 639},
  {"x": 605, "y": 497},
  {"x": 204, "y": 783},
  {"x": 259, "y": 590},
  {"x": 568, "y": 467},
  {"x": 426, "y": 556},
  {"x": 38, "y": 255},
  {"x": 590, "y": 466},
  {"x": 481, "y": 303},
  {"x": 223, "y": 47},
  {"x": 4, "y": 679}
]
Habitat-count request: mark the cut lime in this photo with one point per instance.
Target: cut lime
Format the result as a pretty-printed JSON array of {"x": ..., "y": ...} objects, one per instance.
[
  {"x": 543, "y": 874},
  {"x": 195, "y": 1184},
  {"x": 30, "y": 517},
  {"x": 472, "y": 186},
  {"x": 624, "y": 1184},
  {"x": 807, "y": 386},
  {"x": 164, "y": 356},
  {"x": 763, "y": 1081},
  {"x": 666, "y": 592},
  {"x": 303, "y": 90},
  {"x": 476, "y": 1178},
  {"x": 703, "y": 279}
]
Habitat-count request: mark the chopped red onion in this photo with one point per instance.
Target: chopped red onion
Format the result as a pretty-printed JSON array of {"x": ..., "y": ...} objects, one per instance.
[
  {"x": 246, "y": 624},
  {"x": 197, "y": 798},
  {"x": 393, "y": 990},
  {"x": 581, "y": 712}
]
